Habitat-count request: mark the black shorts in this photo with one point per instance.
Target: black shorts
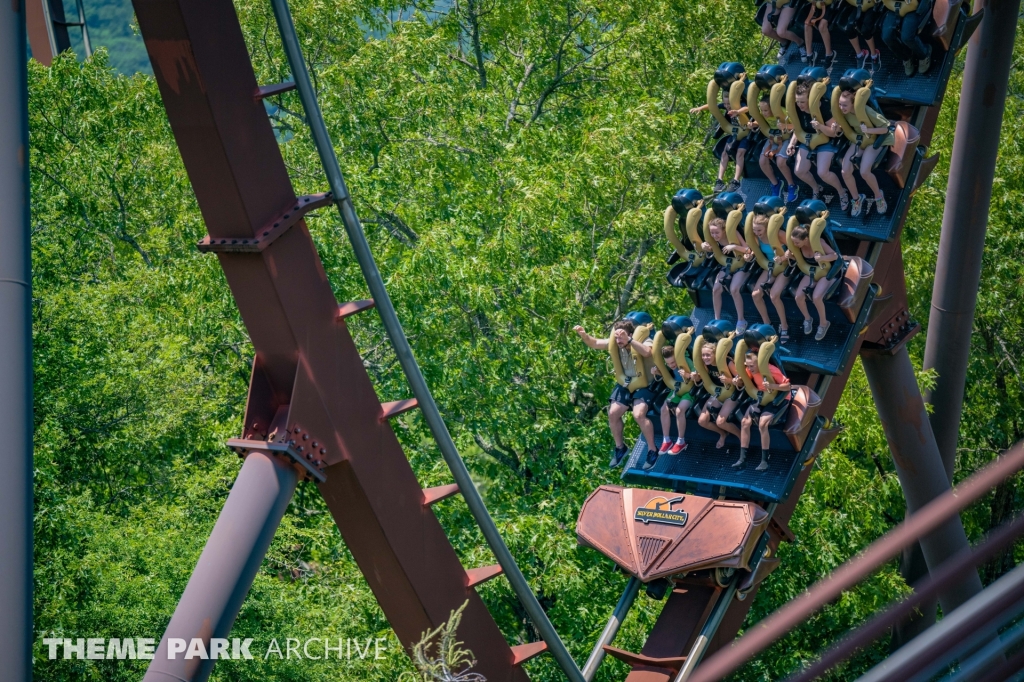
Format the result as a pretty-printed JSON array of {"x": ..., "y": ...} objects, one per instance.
[
  {"x": 622, "y": 396},
  {"x": 733, "y": 146},
  {"x": 755, "y": 411}
]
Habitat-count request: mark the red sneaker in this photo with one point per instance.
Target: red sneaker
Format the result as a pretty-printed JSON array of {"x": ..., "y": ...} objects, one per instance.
[
  {"x": 665, "y": 448},
  {"x": 677, "y": 448}
]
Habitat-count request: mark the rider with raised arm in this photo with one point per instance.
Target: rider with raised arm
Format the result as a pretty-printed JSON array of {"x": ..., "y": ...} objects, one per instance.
[{"x": 630, "y": 347}]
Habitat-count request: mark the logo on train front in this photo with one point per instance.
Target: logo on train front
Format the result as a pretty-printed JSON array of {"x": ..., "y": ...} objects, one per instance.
[{"x": 659, "y": 510}]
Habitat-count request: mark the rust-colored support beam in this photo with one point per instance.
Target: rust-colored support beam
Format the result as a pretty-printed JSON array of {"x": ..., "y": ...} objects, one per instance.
[{"x": 309, "y": 391}]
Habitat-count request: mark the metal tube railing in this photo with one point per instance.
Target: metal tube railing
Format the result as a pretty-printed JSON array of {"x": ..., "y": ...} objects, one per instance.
[
  {"x": 928, "y": 518},
  {"x": 611, "y": 628},
  {"x": 354, "y": 229},
  {"x": 926, "y": 590},
  {"x": 973, "y": 621}
]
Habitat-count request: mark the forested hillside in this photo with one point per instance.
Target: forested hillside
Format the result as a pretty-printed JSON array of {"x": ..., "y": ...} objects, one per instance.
[{"x": 511, "y": 161}]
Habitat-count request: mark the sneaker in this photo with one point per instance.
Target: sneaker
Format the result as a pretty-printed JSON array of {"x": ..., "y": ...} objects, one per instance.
[
  {"x": 665, "y": 447},
  {"x": 858, "y": 206},
  {"x": 926, "y": 62},
  {"x": 652, "y": 459},
  {"x": 784, "y": 335},
  {"x": 776, "y": 190},
  {"x": 719, "y": 187},
  {"x": 909, "y": 67},
  {"x": 803, "y": 55},
  {"x": 677, "y": 448},
  {"x": 862, "y": 58},
  {"x": 791, "y": 194},
  {"x": 829, "y": 61},
  {"x": 880, "y": 206},
  {"x": 733, "y": 185},
  {"x": 741, "y": 327},
  {"x": 617, "y": 457},
  {"x": 875, "y": 65},
  {"x": 808, "y": 326},
  {"x": 783, "y": 49},
  {"x": 844, "y": 201},
  {"x": 822, "y": 330},
  {"x": 817, "y": 192}
]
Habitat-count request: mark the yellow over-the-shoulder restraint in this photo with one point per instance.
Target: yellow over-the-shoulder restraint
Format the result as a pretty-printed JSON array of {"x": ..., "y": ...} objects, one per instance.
[
  {"x": 723, "y": 121},
  {"x": 863, "y": 5},
  {"x": 814, "y": 236},
  {"x": 774, "y": 227},
  {"x": 762, "y": 260},
  {"x": 777, "y": 101},
  {"x": 666, "y": 374},
  {"x": 736, "y": 92},
  {"x": 721, "y": 391},
  {"x": 753, "y": 96},
  {"x": 722, "y": 362},
  {"x": 671, "y": 219},
  {"x": 860, "y": 103},
  {"x": 643, "y": 365},
  {"x": 680, "y": 349},
  {"x": 764, "y": 354},
  {"x": 902, "y": 7},
  {"x": 693, "y": 227},
  {"x": 811, "y": 138},
  {"x": 732, "y": 222}
]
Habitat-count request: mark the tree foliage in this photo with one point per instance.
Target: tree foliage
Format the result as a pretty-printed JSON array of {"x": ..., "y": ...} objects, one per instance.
[{"x": 510, "y": 162}]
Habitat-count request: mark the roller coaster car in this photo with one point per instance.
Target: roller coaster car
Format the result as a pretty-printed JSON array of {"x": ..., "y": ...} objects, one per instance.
[
  {"x": 653, "y": 534},
  {"x": 905, "y": 167},
  {"x": 948, "y": 30},
  {"x": 846, "y": 307},
  {"x": 708, "y": 470}
]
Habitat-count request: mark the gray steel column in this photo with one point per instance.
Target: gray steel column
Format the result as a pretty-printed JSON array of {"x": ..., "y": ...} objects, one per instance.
[
  {"x": 918, "y": 464},
  {"x": 15, "y": 354},
  {"x": 971, "y": 171},
  {"x": 227, "y": 566}
]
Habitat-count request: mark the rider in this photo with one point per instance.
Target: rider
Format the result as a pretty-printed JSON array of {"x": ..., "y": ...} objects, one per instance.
[
  {"x": 767, "y": 238},
  {"x": 721, "y": 382},
  {"x": 777, "y": 18},
  {"x": 769, "y": 82},
  {"x": 726, "y": 243},
  {"x": 730, "y": 78},
  {"x": 900, "y": 30},
  {"x": 762, "y": 414},
  {"x": 803, "y": 230},
  {"x": 869, "y": 132},
  {"x": 814, "y": 131},
  {"x": 821, "y": 13},
  {"x": 863, "y": 23},
  {"x": 630, "y": 346}
]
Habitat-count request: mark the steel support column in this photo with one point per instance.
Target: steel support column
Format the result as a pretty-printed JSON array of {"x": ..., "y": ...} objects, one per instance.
[
  {"x": 918, "y": 464},
  {"x": 971, "y": 172},
  {"x": 227, "y": 566},
  {"x": 15, "y": 355}
]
